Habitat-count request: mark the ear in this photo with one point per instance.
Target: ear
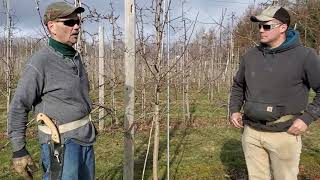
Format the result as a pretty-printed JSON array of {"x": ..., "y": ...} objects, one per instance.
[
  {"x": 51, "y": 27},
  {"x": 284, "y": 28}
]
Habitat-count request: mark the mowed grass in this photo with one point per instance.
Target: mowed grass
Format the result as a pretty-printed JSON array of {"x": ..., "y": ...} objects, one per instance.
[{"x": 206, "y": 147}]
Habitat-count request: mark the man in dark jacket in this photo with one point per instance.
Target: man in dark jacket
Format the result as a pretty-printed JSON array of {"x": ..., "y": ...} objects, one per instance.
[
  {"x": 272, "y": 87},
  {"x": 55, "y": 84}
]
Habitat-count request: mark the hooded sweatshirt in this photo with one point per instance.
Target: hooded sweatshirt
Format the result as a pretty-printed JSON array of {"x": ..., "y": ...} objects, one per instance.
[
  {"x": 271, "y": 83},
  {"x": 54, "y": 82}
]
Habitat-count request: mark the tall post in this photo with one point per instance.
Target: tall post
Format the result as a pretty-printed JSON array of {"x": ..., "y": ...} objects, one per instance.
[
  {"x": 101, "y": 78},
  {"x": 168, "y": 91},
  {"x": 128, "y": 167}
]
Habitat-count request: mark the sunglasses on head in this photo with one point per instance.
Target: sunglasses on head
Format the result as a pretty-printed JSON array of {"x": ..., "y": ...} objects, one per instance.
[
  {"x": 70, "y": 22},
  {"x": 268, "y": 27}
]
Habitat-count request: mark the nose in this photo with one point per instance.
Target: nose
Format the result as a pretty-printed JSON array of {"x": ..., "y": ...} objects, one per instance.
[{"x": 76, "y": 26}]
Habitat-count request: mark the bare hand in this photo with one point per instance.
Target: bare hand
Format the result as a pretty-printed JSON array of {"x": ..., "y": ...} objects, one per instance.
[
  {"x": 236, "y": 120},
  {"x": 24, "y": 166},
  {"x": 298, "y": 127}
]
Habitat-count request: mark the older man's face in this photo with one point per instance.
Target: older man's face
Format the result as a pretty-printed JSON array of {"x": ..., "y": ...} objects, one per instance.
[{"x": 66, "y": 29}]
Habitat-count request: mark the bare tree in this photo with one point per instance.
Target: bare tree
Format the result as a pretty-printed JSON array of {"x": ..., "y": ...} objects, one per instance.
[
  {"x": 185, "y": 71},
  {"x": 113, "y": 20},
  {"x": 159, "y": 33},
  {"x": 79, "y": 44},
  {"x": 8, "y": 55}
]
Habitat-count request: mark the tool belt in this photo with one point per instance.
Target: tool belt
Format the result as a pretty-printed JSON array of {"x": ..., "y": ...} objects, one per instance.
[
  {"x": 281, "y": 119},
  {"x": 67, "y": 126}
]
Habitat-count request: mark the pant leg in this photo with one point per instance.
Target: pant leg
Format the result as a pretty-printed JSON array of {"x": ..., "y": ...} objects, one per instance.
[
  {"x": 257, "y": 158},
  {"x": 284, "y": 150},
  {"x": 45, "y": 160},
  {"x": 78, "y": 163},
  {"x": 88, "y": 166},
  {"x": 72, "y": 161}
]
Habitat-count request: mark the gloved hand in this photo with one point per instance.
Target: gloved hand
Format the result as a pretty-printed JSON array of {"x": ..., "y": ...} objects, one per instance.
[{"x": 24, "y": 166}]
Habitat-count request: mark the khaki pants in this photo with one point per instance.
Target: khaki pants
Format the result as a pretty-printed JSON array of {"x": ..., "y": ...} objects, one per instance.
[{"x": 271, "y": 154}]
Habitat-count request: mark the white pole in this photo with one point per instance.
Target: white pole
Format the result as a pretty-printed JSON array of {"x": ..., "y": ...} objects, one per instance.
[
  {"x": 101, "y": 78},
  {"x": 168, "y": 92},
  {"x": 128, "y": 167}
]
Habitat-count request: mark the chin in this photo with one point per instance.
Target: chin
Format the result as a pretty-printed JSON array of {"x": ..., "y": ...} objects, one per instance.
[
  {"x": 263, "y": 41},
  {"x": 73, "y": 42}
]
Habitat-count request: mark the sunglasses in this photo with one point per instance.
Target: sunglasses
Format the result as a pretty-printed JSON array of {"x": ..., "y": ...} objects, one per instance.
[
  {"x": 268, "y": 27},
  {"x": 70, "y": 22}
]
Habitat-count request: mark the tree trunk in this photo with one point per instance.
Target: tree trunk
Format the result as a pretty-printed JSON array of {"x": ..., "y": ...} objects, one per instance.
[
  {"x": 157, "y": 90},
  {"x": 187, "y": 90},
  {"x": 8, "y": 58},
  {"x": 79, "y": 44},
  {"x": 113, "y": 75},
  {"x": 156, "y": 135},
  {"x": 143, "y": 79}
]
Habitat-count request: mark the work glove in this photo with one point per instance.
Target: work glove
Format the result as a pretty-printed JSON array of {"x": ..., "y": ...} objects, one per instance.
[{"x": 24, "y": 166}]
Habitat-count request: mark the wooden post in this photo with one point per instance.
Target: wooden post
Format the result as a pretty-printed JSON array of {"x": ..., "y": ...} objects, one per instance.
[
  {"x": 101, "y": 78},
  {"x": 128, "y": 160},
  {"x": 168, "y": 91}
]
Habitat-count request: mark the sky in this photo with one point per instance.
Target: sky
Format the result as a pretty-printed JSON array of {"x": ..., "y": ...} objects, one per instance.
[{"x": 27, "y": 22}]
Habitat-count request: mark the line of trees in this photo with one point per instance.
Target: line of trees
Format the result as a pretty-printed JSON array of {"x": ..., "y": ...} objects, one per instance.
[{"x": 199, "y": 60}]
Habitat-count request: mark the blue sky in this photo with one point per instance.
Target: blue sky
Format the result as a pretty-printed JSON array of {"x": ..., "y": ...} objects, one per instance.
[{"x": 27, "y": 20}]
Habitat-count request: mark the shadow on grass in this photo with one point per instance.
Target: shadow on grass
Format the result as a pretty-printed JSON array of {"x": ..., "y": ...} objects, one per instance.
[
  {"x": 178, "y": 154},
  {"x": 140, "y": 152},
  {"x": 175, "y": 157},
  {"x": 233, "y": 160}
]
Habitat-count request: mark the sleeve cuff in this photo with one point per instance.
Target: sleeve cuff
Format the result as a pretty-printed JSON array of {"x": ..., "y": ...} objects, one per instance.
[
  {"x": 22, "y": 152},
  {"x": 307, "y": 118},
  {"x": 233, "y": 110}
]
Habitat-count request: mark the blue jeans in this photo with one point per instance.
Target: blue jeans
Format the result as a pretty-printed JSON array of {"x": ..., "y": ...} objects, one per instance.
[{"x": 79, "y": 161}]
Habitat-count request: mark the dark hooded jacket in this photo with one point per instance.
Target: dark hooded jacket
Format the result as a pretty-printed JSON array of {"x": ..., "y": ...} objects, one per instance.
[{"x": 271, "y": 83}]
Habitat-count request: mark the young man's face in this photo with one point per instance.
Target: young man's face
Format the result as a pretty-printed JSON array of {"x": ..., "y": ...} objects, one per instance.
[
  {"x": 270, "y": 31},
  {"x": 66, "y": 29}
]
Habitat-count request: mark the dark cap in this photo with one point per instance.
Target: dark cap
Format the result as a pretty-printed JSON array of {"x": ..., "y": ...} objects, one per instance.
[
  {"x": 58, "y": 10},
  {"x": 273, "y": 12}
]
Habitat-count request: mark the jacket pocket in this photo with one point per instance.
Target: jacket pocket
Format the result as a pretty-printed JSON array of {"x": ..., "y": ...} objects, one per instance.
[{"x": 258, "y": 111}]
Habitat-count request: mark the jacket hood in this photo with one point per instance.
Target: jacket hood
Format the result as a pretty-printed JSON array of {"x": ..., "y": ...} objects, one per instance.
[{"x": 292, "y": 41}]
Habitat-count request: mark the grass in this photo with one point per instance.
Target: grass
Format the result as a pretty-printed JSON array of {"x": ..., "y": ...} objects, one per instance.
[
  {"x": 206, "y": 148},
  {"x": 195, "y": 154}
]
